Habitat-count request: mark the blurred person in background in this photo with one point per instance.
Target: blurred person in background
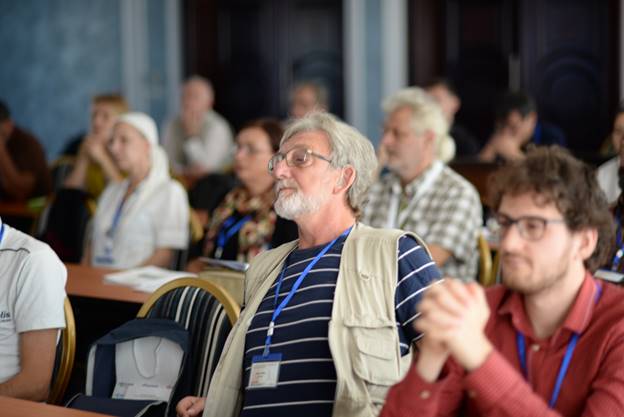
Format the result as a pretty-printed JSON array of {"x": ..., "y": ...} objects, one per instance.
[
  {"x": 94, "y": 166},
  {"x": 144, "y": 218},
  {"x": 245, "y": 222},
  {"x": 199, "y": 140},
  {"x": 24, "y": 170}
]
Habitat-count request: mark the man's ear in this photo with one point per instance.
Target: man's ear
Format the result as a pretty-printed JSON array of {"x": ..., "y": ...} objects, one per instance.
[
  {"x": 347, "y": 177},
  {"x": 588, "y": 239}
]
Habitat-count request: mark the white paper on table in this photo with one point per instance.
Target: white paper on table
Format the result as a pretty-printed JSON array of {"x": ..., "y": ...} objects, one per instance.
[{"x": 146, "y": 278}]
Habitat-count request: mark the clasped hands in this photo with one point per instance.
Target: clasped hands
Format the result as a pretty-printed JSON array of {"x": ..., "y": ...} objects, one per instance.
[{"x": 453, "y": 315}]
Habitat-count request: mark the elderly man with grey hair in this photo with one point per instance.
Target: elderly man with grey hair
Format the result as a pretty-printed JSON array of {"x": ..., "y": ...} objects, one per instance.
[
  {"x": 327, "y": 322},
  {"x": 420, "y": 193},
  {"x": 198, "y": 141}
]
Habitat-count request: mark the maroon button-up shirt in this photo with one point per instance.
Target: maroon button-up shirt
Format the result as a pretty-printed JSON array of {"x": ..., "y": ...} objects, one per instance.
[{"x": 593, "y": 385}]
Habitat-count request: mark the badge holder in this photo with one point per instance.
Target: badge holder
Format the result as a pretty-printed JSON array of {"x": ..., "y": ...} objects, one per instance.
[{"x": 264, "y": 371}]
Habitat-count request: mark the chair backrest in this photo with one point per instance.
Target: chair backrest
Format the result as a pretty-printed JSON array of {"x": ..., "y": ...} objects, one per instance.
[
  {"x": 231, "y": 281},
  {"x": 486, "y": 277},
  {"x": 64, "y": 223},
  {"x": 60, "y": 169},
  {"x": 64, "y": 361},
  {"x": 208, "y": 312}
]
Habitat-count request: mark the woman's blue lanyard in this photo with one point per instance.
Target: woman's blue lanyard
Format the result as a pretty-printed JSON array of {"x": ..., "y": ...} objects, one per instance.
[
  {"x": 617, "y": 258},
  {"x": 110, "y": 233},
  {"x": 565, "y": 363},
  {"x": 1, "y": 232},
  {"x": 229, "y": 228},
  {"x": 277, "y": 309}
]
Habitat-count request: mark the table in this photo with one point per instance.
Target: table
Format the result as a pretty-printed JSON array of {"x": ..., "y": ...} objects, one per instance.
[
  {"x": 88, "y": 281},
  {"x": 12, "y": 407}
]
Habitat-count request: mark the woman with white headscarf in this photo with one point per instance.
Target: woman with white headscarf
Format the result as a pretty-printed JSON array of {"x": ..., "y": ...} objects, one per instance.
[{"x": 143, "y": 219}]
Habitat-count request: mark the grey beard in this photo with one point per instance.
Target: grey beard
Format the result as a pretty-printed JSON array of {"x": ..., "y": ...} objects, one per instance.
[{"x": 296, "y": 205}]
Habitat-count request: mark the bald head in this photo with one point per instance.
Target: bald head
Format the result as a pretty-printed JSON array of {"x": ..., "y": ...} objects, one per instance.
[{"x": 197, "y": 94}]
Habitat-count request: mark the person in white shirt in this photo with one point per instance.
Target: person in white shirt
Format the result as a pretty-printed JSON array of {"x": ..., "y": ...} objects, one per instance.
[
  {"x": 607, "y": 173},
  {"x": 143, "y": 219},
  {"x": 199, "y": 140},
  {"x": 32, "y": 293}
]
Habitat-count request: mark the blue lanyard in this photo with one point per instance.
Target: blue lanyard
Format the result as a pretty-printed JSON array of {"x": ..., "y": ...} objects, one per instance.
[
  {"x": 1, "y": 232},
  {"x": 277, "y": 309},
  {"x": 229, "y": 229},
  {"x": 617, "y": 258},
  {"x": 565, "y": 363},
  {"x": 111, "y": 230}
]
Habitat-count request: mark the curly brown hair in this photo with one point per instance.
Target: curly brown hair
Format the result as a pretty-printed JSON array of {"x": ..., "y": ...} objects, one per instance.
[{"x": 554, "y": 175}]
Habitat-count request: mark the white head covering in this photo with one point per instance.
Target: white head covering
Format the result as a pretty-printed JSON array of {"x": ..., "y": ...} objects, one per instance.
[{"x": 159, "y": 169}]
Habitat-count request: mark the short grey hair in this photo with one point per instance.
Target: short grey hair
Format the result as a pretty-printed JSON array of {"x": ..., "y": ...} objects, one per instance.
[
  {"x": 426, "y": 115},
  {"x": 348, "y": 147}
]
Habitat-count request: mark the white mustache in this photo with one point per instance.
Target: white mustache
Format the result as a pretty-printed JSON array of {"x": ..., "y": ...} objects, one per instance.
[{"x": 281, "y": 184}]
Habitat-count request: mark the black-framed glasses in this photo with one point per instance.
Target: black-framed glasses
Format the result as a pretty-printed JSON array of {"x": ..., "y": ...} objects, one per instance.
[
  {"x": 296, "y": 157},
  {"x": 529, "y": 227}
]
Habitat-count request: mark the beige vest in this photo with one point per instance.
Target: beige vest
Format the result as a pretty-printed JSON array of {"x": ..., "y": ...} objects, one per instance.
[{"x": 363, "y": 339}]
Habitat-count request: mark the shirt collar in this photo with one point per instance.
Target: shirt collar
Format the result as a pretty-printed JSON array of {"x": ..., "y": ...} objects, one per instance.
[
  {"x": 411, "y": 188},
  {"x": 578, "y": 317}
]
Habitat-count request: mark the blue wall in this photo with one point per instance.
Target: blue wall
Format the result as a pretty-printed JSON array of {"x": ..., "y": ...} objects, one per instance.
[{"x": 57, "y": 54}]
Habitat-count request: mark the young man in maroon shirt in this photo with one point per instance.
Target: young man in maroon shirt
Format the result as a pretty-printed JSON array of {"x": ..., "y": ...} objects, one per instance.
[{"x": 551, "y": 340}]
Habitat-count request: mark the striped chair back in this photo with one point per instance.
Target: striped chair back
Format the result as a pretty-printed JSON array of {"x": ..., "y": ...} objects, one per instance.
[{"x": 208, "y": 313}]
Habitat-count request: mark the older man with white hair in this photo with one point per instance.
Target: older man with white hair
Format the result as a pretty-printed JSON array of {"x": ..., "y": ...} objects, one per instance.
[
  {"x": 420, "y": 193},
  {"x": 327, "y": 323}
]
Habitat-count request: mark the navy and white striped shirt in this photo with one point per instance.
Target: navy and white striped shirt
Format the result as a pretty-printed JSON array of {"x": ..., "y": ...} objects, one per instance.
[{"x": 307, "y": 377}]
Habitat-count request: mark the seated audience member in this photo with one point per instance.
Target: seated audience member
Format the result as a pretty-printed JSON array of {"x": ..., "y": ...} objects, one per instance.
[
  {"x": 442, "y": 91},
  {"x": 199, "y": 140},
  {"x": 144, "y": 218},
  {"x": 94, "y": 166},
  {"x": 548, "y": 342},
  {"x": 32, "y": 293},
  {"x": 339, "y": 302},
  {"x": 607, "y": 173},
  {"x": 24, "y": 170},
  {"x": 308, "y": 96},
  {"x": 420, "y": 193},
  {"x": 245, "y": 223},
  {"x": 516, "y": 126}
]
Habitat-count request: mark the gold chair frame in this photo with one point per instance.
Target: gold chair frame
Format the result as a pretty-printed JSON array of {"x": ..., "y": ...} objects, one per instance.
[
  {"x": 68, "y": 342},
  {"x": 231, "y": 306}
]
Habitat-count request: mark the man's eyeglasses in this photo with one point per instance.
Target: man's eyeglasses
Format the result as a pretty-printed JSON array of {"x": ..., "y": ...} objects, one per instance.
[
  {"x": 296, "y": 157},
  {"x": 529, "y": 227}
]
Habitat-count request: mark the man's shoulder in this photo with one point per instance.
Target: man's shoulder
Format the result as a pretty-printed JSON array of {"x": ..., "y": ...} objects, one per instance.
[
  {"x": 452, "y": 180},
  {"x": 26, "y": 249}
]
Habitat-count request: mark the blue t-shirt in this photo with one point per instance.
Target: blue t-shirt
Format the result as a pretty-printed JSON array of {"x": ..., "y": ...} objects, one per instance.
[{"x": 307, "y": 377}]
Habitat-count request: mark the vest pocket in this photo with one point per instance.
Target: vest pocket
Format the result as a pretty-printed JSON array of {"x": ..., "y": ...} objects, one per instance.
[{"x": 376, "y": 350}]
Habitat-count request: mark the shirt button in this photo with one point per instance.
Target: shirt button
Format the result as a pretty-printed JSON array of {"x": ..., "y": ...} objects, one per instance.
[
  {"x": 472, "y": 393},
  {"x": 535, "y": 347},
  {"x": 425, "y": 394}
]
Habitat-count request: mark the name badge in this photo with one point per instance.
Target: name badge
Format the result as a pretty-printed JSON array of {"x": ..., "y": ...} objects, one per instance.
[{"x": 264, "y": 371}]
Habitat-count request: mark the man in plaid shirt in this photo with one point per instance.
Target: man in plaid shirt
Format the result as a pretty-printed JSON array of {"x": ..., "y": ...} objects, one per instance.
[{"x": 420, "y": 193}]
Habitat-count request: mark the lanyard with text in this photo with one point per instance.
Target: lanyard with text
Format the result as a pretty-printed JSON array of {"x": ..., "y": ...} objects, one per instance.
[
  {"x": 565, "y": 363},
  {"x": 277, "y": 309},
  {"x": 229, "y": 228},
  {"x": 617, "y": 258}
]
